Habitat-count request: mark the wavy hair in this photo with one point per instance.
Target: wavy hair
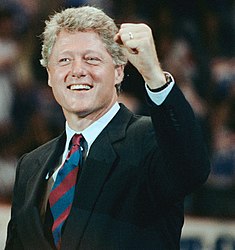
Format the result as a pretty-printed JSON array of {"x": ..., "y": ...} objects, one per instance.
[{"x": 82, "y": 19}]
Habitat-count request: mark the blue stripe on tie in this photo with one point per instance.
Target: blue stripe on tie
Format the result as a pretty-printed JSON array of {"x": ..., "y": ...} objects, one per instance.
[
  {"x": 56, "y": 233},
  {"x": 59, "y": 207},
  {"x": 71, "y": 164}
]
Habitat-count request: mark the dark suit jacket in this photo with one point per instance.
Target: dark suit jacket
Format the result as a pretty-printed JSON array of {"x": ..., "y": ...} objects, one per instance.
[{"x": 130, "y": 190}]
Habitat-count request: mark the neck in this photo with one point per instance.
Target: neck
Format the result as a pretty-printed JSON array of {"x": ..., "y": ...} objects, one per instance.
[{"x": 80, "y": 122}]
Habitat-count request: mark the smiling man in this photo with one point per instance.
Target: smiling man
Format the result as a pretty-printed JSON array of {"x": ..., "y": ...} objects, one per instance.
[
  {"x": 112, "y": 179},
  {"x": 83, "y": 77}
]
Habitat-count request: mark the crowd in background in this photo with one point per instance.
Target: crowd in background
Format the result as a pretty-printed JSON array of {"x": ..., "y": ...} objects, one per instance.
[{"x": 195, "y": 41}]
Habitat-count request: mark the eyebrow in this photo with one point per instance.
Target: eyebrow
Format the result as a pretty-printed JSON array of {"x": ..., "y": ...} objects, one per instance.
[
  {"x": 88, "y": 51},
  {"x": 93, "y": 51}
]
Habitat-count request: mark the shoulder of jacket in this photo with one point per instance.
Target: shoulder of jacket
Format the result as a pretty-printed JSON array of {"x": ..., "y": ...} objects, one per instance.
[{"x": 44, "y": 148}]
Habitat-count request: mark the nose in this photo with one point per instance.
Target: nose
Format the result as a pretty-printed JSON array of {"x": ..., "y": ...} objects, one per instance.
[{"x": 78, "y": 69}]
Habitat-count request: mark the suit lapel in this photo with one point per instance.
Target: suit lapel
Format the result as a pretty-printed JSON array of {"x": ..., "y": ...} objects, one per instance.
[
  {"x": 99, "y": 164},
  {"x": 30, "y": 214}
]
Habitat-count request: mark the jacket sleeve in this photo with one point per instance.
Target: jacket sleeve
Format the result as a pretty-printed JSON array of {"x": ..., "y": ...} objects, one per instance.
[{"x": 183, "y": 155}]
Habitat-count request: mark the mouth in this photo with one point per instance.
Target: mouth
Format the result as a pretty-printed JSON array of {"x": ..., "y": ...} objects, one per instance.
[{"x": 80, "y": 87}]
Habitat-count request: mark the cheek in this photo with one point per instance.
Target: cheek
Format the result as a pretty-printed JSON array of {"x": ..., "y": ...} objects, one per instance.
[
  {"x": 106, "y": 77},
  {"x": 56, "y": 82},
  {"x": 57, "y": 76}
]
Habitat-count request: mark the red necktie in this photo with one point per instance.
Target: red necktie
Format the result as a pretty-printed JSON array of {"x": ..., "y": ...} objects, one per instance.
[{"x": 62, "y": 193}]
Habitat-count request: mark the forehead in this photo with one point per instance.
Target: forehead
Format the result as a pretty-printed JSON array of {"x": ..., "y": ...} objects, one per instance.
[{"x": 78, "y": 41}]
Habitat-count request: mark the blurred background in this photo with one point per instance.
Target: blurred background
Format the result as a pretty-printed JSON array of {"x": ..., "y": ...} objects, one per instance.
[{"x": 195, "y": 41}]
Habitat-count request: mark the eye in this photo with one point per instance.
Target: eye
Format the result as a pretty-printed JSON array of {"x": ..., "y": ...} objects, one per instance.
[
  {"x": 64, "y": 61},
  {"x": 93, "y": 60}
]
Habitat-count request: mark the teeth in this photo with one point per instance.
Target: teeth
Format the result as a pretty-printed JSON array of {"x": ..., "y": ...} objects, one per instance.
[{"x": 80, "y": 87}]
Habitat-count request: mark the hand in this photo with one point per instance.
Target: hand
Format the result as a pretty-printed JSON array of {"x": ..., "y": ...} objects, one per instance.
[{"x": 141, "y": 52}]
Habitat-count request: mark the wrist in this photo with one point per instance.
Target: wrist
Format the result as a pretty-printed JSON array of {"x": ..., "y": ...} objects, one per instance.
[{"x": 168, "y": 80}]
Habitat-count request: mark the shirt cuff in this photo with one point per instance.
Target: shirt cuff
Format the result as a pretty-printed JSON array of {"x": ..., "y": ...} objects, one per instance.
[{"x": 159, "y": 97}]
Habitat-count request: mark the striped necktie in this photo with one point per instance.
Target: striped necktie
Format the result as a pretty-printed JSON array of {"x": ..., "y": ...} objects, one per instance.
[{"x": 62, "y": 193}]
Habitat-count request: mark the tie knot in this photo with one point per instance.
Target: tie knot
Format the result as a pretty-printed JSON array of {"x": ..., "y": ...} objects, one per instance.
[{"x": 76, "y": 140}]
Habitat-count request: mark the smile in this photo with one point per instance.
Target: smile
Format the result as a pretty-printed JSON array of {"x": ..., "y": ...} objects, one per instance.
[{"x": 80, "y": 87}]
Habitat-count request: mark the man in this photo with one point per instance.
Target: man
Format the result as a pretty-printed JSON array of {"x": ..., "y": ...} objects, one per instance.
[{"x": 135, "y": 171}]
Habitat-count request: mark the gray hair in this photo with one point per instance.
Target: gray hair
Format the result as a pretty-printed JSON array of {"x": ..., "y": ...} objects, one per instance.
[{"x": 82, "y": 19}]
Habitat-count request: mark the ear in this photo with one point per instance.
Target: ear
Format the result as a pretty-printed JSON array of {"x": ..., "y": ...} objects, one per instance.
[
  {"x": 49, "y": 77},
  {"x": 119, "y": 73}
]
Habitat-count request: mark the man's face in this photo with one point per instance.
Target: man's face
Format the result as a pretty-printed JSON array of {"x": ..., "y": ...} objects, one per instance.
[{"x": 82, "y": 75}]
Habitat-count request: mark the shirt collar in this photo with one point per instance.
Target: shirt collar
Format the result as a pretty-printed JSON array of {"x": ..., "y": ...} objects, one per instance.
[{"x": 91, "y": 132}]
